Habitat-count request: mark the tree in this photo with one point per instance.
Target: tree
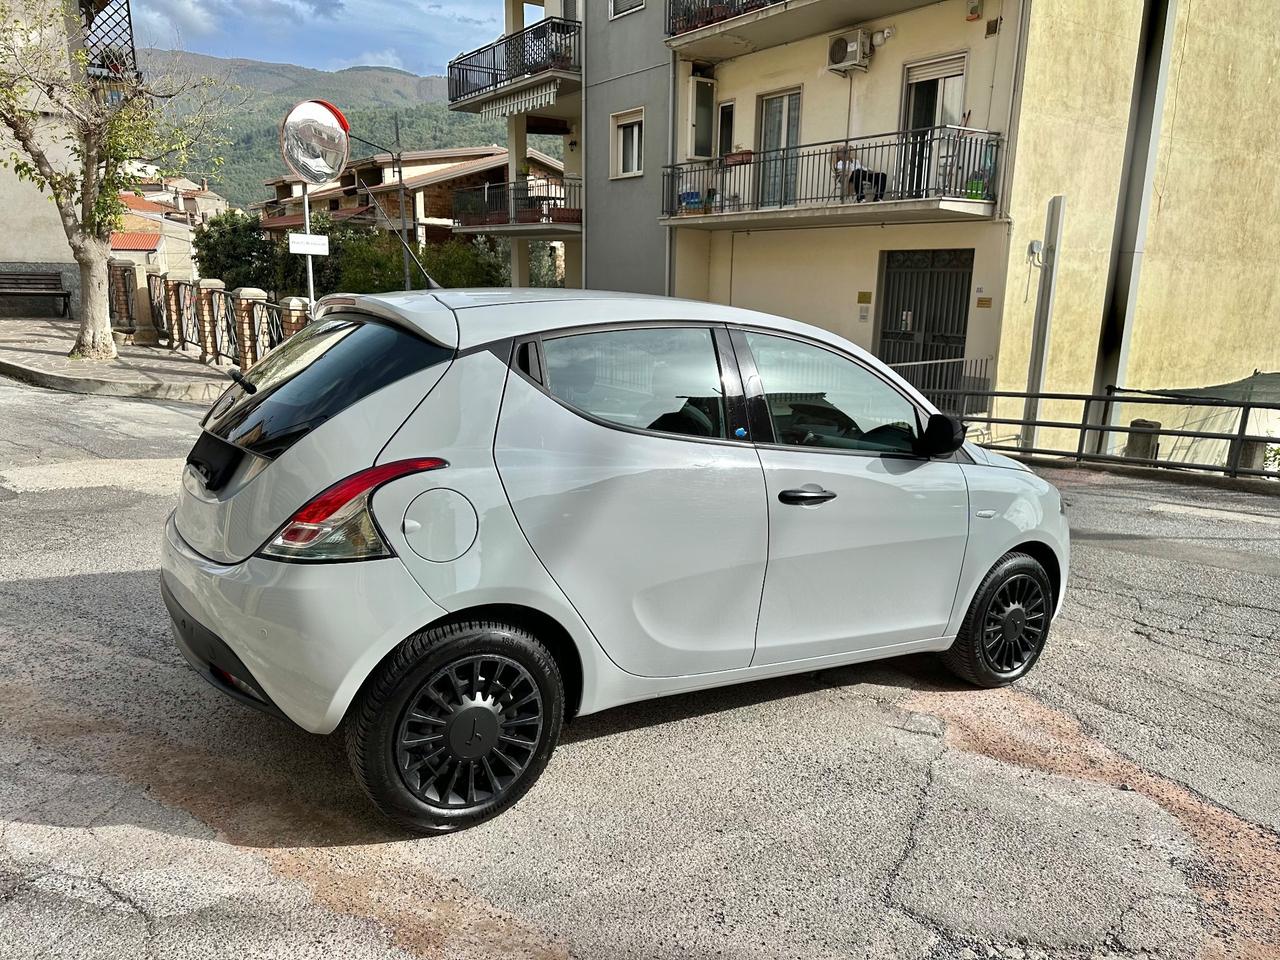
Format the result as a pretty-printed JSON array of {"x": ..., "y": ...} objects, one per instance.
[
  {"x": 82, "y": 122},
  {"x": 233, "y": 248}
]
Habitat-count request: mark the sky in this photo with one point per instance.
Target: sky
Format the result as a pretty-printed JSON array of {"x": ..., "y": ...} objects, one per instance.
[{"x": 420, "y": 36}]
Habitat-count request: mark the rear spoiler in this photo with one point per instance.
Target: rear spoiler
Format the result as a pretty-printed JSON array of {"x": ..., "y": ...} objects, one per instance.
[{"x": 436, "y": 323}]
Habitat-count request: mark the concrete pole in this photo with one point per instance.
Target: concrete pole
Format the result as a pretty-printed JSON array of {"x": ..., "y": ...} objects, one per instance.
[
  {"x": 1043, "y": 315},
  {"x": 517, "y": 157},
  {"x": 1142, "y": 145}
]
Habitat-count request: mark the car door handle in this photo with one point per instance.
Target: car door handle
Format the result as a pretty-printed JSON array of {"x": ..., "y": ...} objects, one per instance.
[{"x": 802, "y": 496}]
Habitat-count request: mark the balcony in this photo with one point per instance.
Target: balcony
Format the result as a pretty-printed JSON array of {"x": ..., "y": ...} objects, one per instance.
[
  {"x": 548, "y": 52},
  {"x": 108, "y": 41},
  {"x": 537, "y": 209},
  {"x": 716, "y": 30},
  {"x": 935, "y": 173}
]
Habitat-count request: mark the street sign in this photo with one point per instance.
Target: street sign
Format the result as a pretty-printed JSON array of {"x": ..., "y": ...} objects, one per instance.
[{"x": 312, "y": 244}]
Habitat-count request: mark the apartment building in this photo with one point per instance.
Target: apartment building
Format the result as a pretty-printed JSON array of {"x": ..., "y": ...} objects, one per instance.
[
  {"x": 531, "y": 76},
  {"x": 885, "y": 169}
]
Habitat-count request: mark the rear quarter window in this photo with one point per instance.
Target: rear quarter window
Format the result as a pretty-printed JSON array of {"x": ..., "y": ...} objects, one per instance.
[{"x": 315, "y": 375}]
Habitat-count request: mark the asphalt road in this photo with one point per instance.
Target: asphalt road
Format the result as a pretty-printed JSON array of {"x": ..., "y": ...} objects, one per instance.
[{"x": 1122, "y": 801}]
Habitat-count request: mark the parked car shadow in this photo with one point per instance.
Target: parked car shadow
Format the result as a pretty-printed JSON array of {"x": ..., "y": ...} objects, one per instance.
[{"x": 148, "y": 742}]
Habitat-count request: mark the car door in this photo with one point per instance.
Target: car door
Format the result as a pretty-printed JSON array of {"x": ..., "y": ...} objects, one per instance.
[
  {"x": 617, "y": 449},
  {"x": 866, "y": 539}
]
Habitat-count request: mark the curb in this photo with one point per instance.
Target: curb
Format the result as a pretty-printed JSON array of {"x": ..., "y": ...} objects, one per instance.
[
  {"x": 1188, "y": 478},
  {"x": 190, "y": 391}
]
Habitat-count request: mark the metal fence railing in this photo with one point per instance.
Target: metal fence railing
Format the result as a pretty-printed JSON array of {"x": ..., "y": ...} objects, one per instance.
[
  {"x": 188, "y": 327},
  {"x": 1243, "y": 440},
  {"x": 537, "y": 200},
  {"x": 268, "y": 326},
  {"x": 550, "y": 44},
  {"x": 159, "y": 304},
  {"x": 935, "y": 378},
  {"x": 954, "y": 162},
  {"x": 222, "y": 323}
]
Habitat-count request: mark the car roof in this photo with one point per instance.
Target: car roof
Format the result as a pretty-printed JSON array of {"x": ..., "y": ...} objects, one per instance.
[{"x": 467, "y": 318}]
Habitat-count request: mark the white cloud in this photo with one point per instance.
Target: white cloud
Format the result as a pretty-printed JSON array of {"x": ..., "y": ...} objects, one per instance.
[{"x": 371, "y": 58}]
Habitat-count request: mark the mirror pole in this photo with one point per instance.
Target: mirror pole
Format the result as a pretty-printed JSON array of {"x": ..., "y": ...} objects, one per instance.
[{"x": 306, "y": 226}]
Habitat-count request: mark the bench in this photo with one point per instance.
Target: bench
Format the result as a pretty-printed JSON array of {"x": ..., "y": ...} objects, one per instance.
[{"x": 35, "y": 285}]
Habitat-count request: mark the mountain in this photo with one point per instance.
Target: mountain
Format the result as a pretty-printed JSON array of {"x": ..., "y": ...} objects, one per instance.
[{"x": 369, "y": 96}]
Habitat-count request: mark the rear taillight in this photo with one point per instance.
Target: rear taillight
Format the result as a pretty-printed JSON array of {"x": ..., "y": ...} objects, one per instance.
[{"x": 337, "y": 524}]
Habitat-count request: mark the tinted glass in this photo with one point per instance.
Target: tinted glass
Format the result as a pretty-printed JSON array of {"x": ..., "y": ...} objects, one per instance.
[
  {"x": 820, "y": 399},
  {"x": 665, "y": 379},
  {"x": 315, "y": 375}
]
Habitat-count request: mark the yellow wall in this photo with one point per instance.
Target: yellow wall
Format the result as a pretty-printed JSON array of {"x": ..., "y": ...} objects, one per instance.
[
  {"x": 1209, "y": 295},
  {"x": 1070, "y": 139},
  {"x": 815, "y": 275}
]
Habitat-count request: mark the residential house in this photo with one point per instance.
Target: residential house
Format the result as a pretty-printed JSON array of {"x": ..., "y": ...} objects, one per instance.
[
  {"x": 368, "y": 191},
  {"x": 195, "y": 199},
  {"x": 156, "y": 234},
  {"x": 532, "y": 78}
]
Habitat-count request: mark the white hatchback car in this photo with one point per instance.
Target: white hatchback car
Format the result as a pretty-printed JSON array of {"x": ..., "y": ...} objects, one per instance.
[{"x": 454, "y": 518}]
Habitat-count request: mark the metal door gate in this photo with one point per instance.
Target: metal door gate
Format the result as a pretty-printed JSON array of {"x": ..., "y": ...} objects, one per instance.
[{"x": 924, "y": 307}]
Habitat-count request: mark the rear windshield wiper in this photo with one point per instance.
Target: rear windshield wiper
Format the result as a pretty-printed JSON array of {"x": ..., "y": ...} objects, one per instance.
[{"x": 241, "y": 379}]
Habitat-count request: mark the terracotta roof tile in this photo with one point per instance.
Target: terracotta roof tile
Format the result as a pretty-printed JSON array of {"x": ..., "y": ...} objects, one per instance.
[{"x": 135, "y": 241}]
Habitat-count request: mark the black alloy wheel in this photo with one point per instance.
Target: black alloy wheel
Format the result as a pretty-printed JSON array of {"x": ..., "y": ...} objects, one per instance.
[
  {"x": 1007, "y": 625},
  {"x": 1012, "y": 630},
  {"x": 456, "y": 724},
  {"x": 469, "y": 732}
]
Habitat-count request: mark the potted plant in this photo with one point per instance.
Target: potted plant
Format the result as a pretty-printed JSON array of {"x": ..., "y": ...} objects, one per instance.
[
  {"x": 737, "y": 157},
  {"x": 566, "y": 214}
]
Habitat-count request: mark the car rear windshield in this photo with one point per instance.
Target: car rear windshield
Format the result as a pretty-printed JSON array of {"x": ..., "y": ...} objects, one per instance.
[{"x": 315, "y": 375}]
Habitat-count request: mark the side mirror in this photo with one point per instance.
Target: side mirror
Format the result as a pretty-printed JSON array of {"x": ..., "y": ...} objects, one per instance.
[{"x": 942, "y": 435}]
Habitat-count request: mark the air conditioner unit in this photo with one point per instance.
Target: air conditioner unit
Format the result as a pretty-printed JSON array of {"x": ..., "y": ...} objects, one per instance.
[{"x": 849, "y": 51}]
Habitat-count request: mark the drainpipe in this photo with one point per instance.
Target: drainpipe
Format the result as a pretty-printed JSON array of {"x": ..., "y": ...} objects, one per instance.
[
  {"x": 672, "y": 136},
  {"x": 1146, "y": 109}
]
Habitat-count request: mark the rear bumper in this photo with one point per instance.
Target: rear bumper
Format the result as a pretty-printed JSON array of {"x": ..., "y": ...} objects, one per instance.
[
  {"x": 213, "y": 659},
  {"x": 302, "y": 636}
]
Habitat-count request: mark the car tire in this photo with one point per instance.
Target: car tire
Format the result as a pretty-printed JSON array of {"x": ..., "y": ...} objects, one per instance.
[
  {"x": 1006, "y": 626},
  {"x": 456, "y": 725}
]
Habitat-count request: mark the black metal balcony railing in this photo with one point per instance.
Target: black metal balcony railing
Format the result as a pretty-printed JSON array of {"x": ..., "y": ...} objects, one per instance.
[
  {"x": 686, "y": 15},
  {"x": 550, "y": 44},
  {"x": 541, "y": 200},
  {"x": 952, "y": 162},
  {"x": 108, "y": 40}
]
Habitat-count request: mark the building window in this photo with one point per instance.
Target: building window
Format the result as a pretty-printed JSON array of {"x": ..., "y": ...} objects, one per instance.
[
  {"x": 702, "y": 116},
  {"x": 724, "y": 129},
  {"x": 333, "y": 204},
  {"x": 628, "y": 143},
  {"x": 618, "y": 7}
]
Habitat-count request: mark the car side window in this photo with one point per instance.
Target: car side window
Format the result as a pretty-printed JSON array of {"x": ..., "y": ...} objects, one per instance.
[
  {"x": 820, "y": 399},
  {"x": 665, "y": 379}
]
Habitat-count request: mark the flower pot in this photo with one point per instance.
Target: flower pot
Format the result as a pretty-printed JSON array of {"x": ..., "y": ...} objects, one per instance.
[
  {"x": 528, "y": 215},
  {"x": 566, "y": 214},
  {"x": 496, "y": 216}
]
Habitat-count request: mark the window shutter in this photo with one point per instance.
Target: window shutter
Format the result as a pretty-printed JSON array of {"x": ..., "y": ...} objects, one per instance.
[
  {"x": 936, "y": 69},
  {"x": 622, "y": 6}
]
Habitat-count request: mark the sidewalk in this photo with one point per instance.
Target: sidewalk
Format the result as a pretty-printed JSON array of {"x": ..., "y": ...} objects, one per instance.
[{"x": 34, "y": 350}]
